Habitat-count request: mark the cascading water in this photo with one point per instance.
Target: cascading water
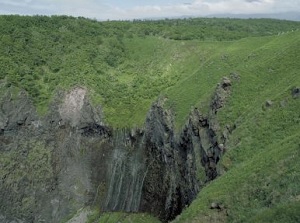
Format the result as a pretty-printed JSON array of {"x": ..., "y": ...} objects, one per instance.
[{"x": 126, "y": 174}]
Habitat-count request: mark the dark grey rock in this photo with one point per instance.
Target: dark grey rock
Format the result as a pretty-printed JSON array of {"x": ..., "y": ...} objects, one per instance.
[
  {"x": 226, "y": 82},
  {"x": 221, "y": 94},
  {"x": 296, "y": 92}
]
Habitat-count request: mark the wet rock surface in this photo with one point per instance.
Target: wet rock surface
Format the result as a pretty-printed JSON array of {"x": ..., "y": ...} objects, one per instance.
[{"x": 54, "y": 165}]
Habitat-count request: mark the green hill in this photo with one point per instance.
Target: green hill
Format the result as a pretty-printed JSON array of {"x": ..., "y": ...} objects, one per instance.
[{"x": 127, "y": 65}]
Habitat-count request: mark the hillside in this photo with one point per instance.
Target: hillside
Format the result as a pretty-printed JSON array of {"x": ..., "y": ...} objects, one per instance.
[
  {"x": 125, "y": 68},
  {"x": 118, "y": 61},
  {"x": 261, "y": 179},
  {"x": 260, "y": 170}
]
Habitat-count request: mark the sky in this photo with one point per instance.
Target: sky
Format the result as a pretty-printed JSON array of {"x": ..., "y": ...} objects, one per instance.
[{"x": 137, "y": 9}]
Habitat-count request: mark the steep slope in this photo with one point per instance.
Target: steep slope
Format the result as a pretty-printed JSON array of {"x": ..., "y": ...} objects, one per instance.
[{"x": 262, "y": 158}]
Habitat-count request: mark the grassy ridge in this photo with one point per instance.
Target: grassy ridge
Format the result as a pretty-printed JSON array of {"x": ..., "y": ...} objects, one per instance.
[
  {"x": 262, "y": 179},
  {"x": 240, "y": 58}
]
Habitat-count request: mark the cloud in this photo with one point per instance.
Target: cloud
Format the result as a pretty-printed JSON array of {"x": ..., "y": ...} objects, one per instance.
[
  {"x": 86, "y": 8},
  {"x": 200, "y": 8},
  {"x": 105, "y": 9},
  {"x": 207, "y": 7},
  {"x": 253, "y": 0}
]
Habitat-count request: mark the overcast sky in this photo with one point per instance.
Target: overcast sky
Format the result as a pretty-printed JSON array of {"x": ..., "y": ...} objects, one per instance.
[{"x": 130, "y": 9}]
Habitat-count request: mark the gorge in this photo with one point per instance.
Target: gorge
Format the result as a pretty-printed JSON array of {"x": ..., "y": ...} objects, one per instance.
[{"x": 70, "y": 159}]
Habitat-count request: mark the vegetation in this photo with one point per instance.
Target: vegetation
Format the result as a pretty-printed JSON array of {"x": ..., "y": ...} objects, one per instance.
[
  {"x": 97, "y": 217},
  {"x": 261, "y": 182},
  {"x": 18, "y": 164},
  {"x": 127, "y": 65}
]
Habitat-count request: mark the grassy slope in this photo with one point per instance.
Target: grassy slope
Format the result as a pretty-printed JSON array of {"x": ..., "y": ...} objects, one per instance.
[
  {"x": 262, "y": 179},
  {"x": 114, "y": 217}
]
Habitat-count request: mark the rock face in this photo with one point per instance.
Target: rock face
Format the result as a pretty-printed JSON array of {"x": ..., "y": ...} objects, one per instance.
[
  {"x": 170, "y": 182},
  {"x": 54, "y": 165}
]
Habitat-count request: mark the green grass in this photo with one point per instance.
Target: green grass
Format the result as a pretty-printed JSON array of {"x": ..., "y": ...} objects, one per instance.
[
  {"x": 119, "y": 217},
  {"x": 250, "y": 58},
  {"x": 283, "y": 213},
  {"x": 262, "y": 178}
]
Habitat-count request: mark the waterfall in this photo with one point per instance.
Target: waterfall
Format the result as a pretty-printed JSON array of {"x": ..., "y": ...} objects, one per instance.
[{"x": 126, "y": 174}]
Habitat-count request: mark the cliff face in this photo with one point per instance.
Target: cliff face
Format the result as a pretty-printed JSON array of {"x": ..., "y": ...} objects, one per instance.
[{"x": 54, "y": 165}]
